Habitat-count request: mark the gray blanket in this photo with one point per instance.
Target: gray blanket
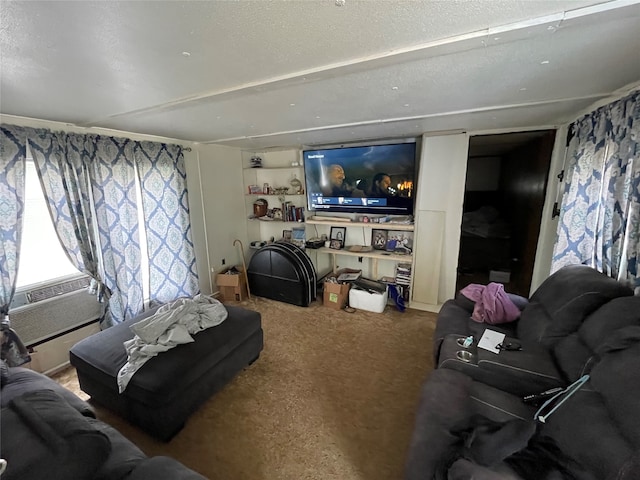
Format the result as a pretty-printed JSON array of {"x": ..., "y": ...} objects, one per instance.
[{"x": 173, "y": 324}]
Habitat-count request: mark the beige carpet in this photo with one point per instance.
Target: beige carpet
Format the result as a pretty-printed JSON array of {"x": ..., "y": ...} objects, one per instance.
[{"x": 332, "y": 396}]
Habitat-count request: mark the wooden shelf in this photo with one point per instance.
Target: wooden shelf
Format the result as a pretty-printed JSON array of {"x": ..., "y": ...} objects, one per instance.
[
  {"x": 374, "y": 255},
  {"x": 377, "y": 254},
  {"x": 404, "y": 227},
  {"x": 274, "y": 195},
  {"x": 276, "y": 221},
  {"x": 290, "y": 167}
]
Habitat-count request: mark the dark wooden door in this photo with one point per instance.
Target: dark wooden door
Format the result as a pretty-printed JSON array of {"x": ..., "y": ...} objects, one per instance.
[{"x": 523, "y": 182}]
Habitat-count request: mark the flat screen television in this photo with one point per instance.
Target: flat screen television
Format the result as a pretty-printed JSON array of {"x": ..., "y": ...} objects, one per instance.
[{"x": 373, "y": 179}]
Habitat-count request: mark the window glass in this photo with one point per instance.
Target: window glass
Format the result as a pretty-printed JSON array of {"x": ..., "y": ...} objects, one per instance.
[{"x": 42, "y": 258}]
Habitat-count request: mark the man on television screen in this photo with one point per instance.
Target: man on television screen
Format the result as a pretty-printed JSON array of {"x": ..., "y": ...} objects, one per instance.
[
  {"x": 380, "y": 186},
  {"x": 333, "y": 182}
]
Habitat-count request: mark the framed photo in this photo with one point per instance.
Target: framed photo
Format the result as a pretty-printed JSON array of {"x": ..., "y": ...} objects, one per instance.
[
  {"x": 338, "y": 234},
  {"x": 399, "y": 242},
  {"x": 378, "y": 239},
  {"x": 286, "y": 235},
  {"x": 336, "y": 244}
]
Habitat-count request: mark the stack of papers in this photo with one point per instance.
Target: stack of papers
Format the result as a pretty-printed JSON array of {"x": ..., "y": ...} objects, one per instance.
[
  {"x": 349, "y": 277},
  {"x": 490, "y": 340}
]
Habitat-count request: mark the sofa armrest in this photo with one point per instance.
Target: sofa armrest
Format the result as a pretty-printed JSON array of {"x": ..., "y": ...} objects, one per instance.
[
  {"x": 43, "y": 437},
  {"x": 453, "y": 319},
  {"x": 529, "y": 371}
]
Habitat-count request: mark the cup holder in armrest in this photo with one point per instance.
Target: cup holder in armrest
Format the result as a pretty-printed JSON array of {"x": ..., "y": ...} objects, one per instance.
[
  {"x": 464, "y": 355},
  {"x": 461, "y": 341}
]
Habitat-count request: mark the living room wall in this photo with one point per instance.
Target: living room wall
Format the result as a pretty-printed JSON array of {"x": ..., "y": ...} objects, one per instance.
[{"x": 218, "y": 215}]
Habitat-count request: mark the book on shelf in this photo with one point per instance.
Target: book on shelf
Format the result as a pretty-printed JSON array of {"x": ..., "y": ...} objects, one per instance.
[
  {"x": 403, "y": 274},
  {"x": 291, "y": 213}
]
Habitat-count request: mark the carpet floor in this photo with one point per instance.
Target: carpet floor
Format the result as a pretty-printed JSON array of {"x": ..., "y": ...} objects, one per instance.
[{"x": 332, "y": 396}]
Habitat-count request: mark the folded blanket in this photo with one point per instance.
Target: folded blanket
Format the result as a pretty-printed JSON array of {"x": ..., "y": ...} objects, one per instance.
[
  {"x": 173, "y": 324},
  {"x": 492, "y": 303}
]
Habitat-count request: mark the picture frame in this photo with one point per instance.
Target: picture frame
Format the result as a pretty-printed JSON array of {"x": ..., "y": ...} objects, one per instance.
[
  {"x": 379, "y": 239},
  {"x": 339, "y": 234},
  {"x": 336, "y": 244},
  {"x": 286, "y": 235},
  {"x": 399, "y": 242}
]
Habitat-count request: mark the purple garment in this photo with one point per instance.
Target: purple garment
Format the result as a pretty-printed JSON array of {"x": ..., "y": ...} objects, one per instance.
[{"x": 492, "y": 304}]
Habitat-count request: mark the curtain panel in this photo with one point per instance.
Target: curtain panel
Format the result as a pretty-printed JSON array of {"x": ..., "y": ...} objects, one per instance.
[
  {"x": 90, "y": 184},
  {"x": 163, "y": 183},
  {"x": 600, "y": 213},
  {"x": 114, "y": 197},
  {"x": 13, "y": 152},
  {"x": 62, "y": 162}
]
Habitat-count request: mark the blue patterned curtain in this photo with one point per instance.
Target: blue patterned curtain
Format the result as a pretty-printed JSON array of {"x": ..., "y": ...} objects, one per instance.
[
  {"x": 89, "y": 182},
  {"x": 62, "y": 162},
  {"x": 600, "y": 214},
  {"x": 114, "y": 196},
  {"x": 163, "y": 181},
  {"x": 12, "y": 169}
]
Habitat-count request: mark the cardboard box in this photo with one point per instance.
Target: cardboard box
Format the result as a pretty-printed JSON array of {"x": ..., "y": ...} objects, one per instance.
[
  {"x": 335, "y": 295},
  {"x": 364, "y": 300},
  {"x": 232, "y": 286}
]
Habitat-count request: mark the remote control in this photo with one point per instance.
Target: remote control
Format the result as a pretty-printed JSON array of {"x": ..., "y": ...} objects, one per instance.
[{"x": 538, "y": 397}]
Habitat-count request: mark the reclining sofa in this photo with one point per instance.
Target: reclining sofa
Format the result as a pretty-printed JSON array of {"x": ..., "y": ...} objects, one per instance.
[
  {"x": 47, "y": 432},
  {"x": 482, "y": 415}
]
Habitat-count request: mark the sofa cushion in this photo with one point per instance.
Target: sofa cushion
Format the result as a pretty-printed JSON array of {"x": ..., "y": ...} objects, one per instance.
[
  {"x": 575, "y": 353},
  {"x": 533, "y": 324},
  {"x": 577, "y": 288},
  {"x": 618, "y": 313},
  {"x": 43, "y": 437},
  {"x": 615, "y": 377},
  {"x": 124, "y": 457},
  {"x": 599, "y": 426},
  {"x": 564, "y": 300},
  {"x": 570, "y": 295}
]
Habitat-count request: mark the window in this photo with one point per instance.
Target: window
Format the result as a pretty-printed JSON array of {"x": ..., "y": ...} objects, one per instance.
[{"x": 42, "y": 258}]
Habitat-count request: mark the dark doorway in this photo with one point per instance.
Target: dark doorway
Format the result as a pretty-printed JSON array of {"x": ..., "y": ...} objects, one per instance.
[{"x": 504, "y": 196}]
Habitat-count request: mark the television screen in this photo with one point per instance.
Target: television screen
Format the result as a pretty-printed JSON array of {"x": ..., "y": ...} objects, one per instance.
[{"x": 364, "y": 179}]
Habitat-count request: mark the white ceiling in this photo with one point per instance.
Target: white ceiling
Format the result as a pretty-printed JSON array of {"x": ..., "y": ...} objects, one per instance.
[{"x": 260, "y": 74}]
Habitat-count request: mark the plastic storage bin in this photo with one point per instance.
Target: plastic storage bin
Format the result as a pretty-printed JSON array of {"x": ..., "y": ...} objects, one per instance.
[{"x": 365, "y": 300}]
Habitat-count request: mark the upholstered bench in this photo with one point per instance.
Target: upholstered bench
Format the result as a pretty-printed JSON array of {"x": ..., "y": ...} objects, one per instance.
[{"x": 171, "y": 386}]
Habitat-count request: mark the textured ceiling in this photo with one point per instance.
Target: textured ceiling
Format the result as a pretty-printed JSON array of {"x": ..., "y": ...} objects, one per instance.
[{"x": 260, "y": 74}]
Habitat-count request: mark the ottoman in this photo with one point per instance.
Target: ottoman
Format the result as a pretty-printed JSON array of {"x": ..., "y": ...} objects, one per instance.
[{"x": 171, "y": 386}]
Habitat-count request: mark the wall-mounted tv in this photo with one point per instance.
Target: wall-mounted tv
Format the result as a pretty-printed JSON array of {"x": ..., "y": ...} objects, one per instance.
[{"x": 375, "y": 179}]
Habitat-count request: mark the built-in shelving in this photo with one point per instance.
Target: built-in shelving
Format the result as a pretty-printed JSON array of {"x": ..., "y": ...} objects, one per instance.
[
  {"x": 377, "y": 254},
  {"x": 278, "y": 169},
  {"x": 405, "y": 227},
  {"x": 374, "y": 255}
]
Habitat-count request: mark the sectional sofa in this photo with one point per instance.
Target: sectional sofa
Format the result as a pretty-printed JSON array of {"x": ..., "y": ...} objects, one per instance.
[{"x": 562, "y": 402}]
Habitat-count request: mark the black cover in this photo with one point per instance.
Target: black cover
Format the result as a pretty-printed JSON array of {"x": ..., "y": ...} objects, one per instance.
[{"x": 283, "y": 271}]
